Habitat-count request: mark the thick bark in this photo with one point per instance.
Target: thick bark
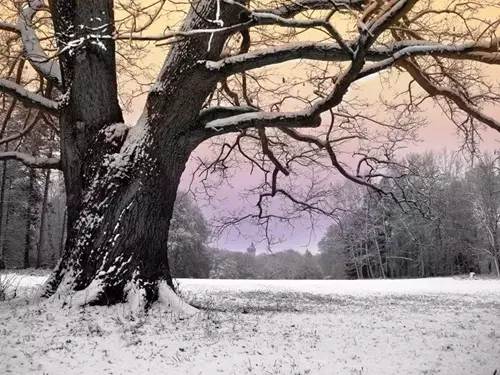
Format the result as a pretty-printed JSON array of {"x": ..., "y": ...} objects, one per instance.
[
  {"x": 89, "y": 83},
  {"x": 119, "y": 240}
]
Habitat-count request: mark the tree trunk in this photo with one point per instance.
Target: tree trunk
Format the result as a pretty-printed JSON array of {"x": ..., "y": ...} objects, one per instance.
[
  {"x": 380, "y": 262},
  {"x": 118, "y": 243},
  {"x": 30, "y": 211},
  {"x": 496, "y": 251},
  {"x": 355, "y": 258},
  {"x": 43, "y": 216},
  {"x": 63, "y": 233},
  {"x": 2, "y": 206},
  {"x": 497, "y": 265}
]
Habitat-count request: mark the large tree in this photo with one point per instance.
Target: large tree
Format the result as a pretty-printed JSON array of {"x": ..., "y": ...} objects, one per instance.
[{"x": 121, "y": 181}]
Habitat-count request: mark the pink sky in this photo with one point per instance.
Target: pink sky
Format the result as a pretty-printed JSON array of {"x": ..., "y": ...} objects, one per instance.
[{"x": 437, "y": 136}]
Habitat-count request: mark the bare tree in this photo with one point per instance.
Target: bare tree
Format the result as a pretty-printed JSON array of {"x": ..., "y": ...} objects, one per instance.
[
  {"x": 121, "y": 181},
  {"x": 43, "y": 217},
  {"x": 484, "y": 189}
]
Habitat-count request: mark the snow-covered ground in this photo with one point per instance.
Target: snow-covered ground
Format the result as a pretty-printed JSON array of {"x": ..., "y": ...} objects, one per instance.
[{"x": 427, "y": 326}]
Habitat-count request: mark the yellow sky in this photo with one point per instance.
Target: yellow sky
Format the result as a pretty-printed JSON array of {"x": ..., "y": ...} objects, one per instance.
[
  {"x": 370, "y": 88},
  {"x": 439, "y": 134}
]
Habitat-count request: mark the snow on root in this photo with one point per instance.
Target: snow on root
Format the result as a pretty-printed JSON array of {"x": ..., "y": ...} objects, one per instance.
[
  {"x": 88, "y": 295},
  {"x": 167, "y": 297},
  {"x": 136, "y": 297}
]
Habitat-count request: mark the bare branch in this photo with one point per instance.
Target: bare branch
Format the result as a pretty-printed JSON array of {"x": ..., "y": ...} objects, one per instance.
[
  {"x": 293, "y": 8},
  {"x": 185, "y": 34},
  {"x": 455, "y": 96},
  {"x": 269, "y": 153},
  {"x": 333, "y": 158},
  {"x": 31, "y": 161}
]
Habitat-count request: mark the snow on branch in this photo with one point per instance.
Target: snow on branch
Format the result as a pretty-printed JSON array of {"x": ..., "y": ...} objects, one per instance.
[
  {"x": 397, "y": 53},
  {"x": 277, "y": 55},
  {"x": 482, "y": 51},
  {"x": 312, "y": 116},
  {"x": 390, "y": 13},
  {"x": 472, "y": 51},
  {"x": 218, "y": 112},
  {"x": 31, "y": 161},
  {"x": 265, "y": 119},
  {"x": 33, "y": 51},
  {"x": 28, "y": 98}
]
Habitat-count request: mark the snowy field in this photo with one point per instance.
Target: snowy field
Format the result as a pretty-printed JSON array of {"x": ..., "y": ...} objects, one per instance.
[{"x": 427, "y": 326}]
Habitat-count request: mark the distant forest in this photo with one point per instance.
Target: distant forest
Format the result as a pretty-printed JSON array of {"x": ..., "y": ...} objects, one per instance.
[{"x": 447, "y": 224}]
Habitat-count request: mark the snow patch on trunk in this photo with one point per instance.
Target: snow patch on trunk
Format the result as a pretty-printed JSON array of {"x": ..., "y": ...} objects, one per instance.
[{"x": 116, "y": 133}]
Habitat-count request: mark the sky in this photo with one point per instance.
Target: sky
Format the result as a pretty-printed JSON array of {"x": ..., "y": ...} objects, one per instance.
[{"x": 438, "y": 135}]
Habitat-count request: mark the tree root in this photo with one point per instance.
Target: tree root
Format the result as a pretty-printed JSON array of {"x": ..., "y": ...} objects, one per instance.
[{"x": 138, "y": 298}]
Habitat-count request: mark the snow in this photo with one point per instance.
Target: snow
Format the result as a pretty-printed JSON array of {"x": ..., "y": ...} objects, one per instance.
[
  {"x": 351, "y": 287},
  {"x": 28, "y": 95},
  {"x": 89, "y": 294},
  {"x": 426, "y": 326},
  {"x": 24, "y": 286}
]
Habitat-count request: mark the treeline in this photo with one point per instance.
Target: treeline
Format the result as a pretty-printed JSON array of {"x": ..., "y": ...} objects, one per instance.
[
  {"x": 447, "y": 221},
  {"x": 31, "y": 204},
  {"x": 190, "y": 257},
  {"x": 32, "y": 213},
  {"x": 288, "y": 264}
]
